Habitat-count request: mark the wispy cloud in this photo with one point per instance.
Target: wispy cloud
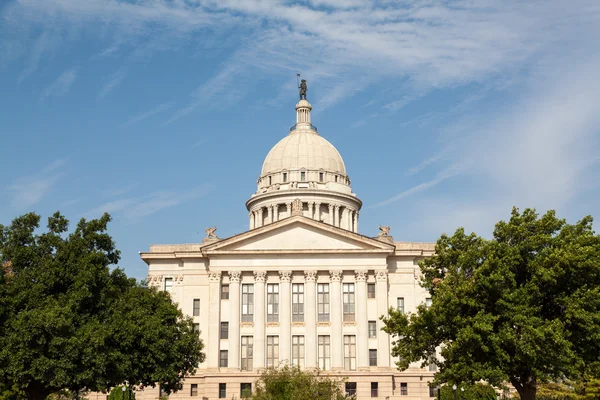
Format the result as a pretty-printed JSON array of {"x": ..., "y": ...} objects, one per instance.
[
  {"x": 424, "y": 164},
  {"x": 140, "y": 117},
  {"x": 30, "y": 190},
  {"x": 114, "y": 80},
  {"x": 42, "y": 45},
  {"x": 61, "y": 85}
]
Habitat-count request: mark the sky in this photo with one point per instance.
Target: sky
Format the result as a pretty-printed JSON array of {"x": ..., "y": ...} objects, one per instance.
[{"x": 161, "y": 112}]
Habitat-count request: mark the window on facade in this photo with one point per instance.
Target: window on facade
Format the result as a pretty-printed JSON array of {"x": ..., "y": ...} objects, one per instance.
[
  {"x": 194, "y": 389},
  {"x": 222, "y": 390},
  {"x": 302, "y": 176},
  {"x": 374, "y": 389},
  {"x": 372, "y": 357},
  {"x": 350, "y": 352},
  {"x": 372, "y": 329},
  {"x": 247, "y": 302},
  {"x": 428, "y": 302},
  {"x": 298, "y": 302},
  {"x": 272, "y": 351},
  {"x": 168, "y": 284},
  {"x": 224, "y": 292},
  {"x": 197, "y": 328},
  {"x": 321, "y": 177},
  {"x": 196, "y": 311},
  {"x": 245, "y": 390},
  {"x": 350, "y": 388},
  {"x": 223, "y": 358},
  {"x": 432, "y": 365},
  {"x": 400, "y": 304},
  {"x": 324, "y": 353},
  {"x": 404, "y": 389},
  {"x": 247, "y": 353},
  {"x": 371, "y": 291},
  {"x": 298, "y": 351},
  {"x": 323, "y": 301},
  {"x": 272, "y": 302},
  {"x": 431, "y": 391},
  {"x": 270, "y": 180},
  {"x": 348, "y": 296},
  {"x": 284, "y": 175},
  {"x": 224, "y": 330},
  {"x": 336, "y": 178}
]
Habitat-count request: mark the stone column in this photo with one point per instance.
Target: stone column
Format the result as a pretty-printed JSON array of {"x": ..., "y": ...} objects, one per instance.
[
  {"x": 335, "y": 308},
  {"x": 362, "y": 320},
  {"x": 310, "y": 210},
  {"x": 275, "y": 212},
  {"x": 234, "y": 320},
  {"x": 310, "y": 318},
  {"x": 259, "y": 319},
  {"x": 289, "y": 209},
  {"x": 330, "y": 214},
  {"x": 214, "y": 314},
  {"x": 356, "y": 222},
  {"x": 269, "y": 214},
  {"x": 285, "y": 322},
  {"x": 260, "y": 217},
  {"x": 251, "y": 220},
  {"x": 350, "y": 220},
  {"x": 383, "y": 339},
  {"x": 318, "y": 212},
  {"x": 336, "y": 215}
]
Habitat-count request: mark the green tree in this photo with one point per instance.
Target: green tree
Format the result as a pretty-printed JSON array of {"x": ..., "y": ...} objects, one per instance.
[
  {"x": 291, "y": 383},
  {"x": 523, "y": 307},
  {"x": 117, "y": 393},
  {"x": 478, "y": 391},
  {"x": 69, "y": 322}
]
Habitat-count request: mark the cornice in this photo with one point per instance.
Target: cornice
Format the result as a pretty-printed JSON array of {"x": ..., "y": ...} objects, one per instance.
[{"x": 300, "y": 193}]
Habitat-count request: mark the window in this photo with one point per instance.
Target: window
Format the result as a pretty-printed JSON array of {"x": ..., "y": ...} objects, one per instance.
[
  {"x": 225, "y": 292},
  {"x": 270, "y": 180},
  {"x": 196, "y": 307},
  {"x": 284, "y": 177},
  {"x": 323, "y": 301},
  {"x": 350, "y": 388},
  {"x": 336, "y": 178},
  {"x": 432, "y": 365},
  {"x": 298, "y": 351},
  {"x": 298, "y": 302},
  {"x": 428, "y": 302},
  {"x": 370, "y": 290},
  {"x": 194, "y": 389},
  {"x": 168, "y": 284},
  {"x": 272, "y": 302},
  {"x": 372, "y": 357},
  {"x": 431, "y": 391},
  {"x": 302, "y": 176},
  {"x": 272, "y": 351},
  {"x": 320, "y": 177},
  {"x": 324, "y": 353},
  {"x": 374, "y": 389},
  {"x": 224, "y": 358},
  {"x": 245, "y": 390},
  {"x": 350, "y": 352},
  {"x": 247, "y": 353},
  {"x": 404, "y": 389},
  {"x": 348, "y": 293},
  {"x": 222, "y": 390},
  {"x": 197, "y": 328},
  {"x": 401, "y": 304},
  {"x": 372, "y": 329},
  {"x": 247, "y": 302},
  {"x": 224, "y": 330}
]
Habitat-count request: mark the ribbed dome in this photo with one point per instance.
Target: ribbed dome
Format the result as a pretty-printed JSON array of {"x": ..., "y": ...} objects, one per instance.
[{"x": 303, "y": 149}]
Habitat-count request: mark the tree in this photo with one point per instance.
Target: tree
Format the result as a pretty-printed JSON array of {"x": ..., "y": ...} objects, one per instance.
[
  {"x": 478, "y": 391},
  {"x": 523, "y": 307},
  {"x": 291, "y": 383},
  {"x": 117, "y": 393},
  {"x": 69, "y": 322}
]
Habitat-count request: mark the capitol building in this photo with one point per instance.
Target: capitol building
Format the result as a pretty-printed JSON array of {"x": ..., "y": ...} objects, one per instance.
[{"x": 301, "y": 287}]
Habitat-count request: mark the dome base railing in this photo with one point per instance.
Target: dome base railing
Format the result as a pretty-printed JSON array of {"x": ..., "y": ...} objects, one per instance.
[{"x": 314, "y": 128}]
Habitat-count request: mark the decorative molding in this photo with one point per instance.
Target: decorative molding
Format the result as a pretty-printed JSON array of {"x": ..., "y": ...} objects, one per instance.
[
  {"x": 297, "y": 207},
  {"x": 154, "y": 280},
  {"x": 361, "y": 275},
  {"x": 214, "y": 276},
  {"x": 260, "y": 276},
  {"x": 179, "y": 279},
  {"x": 310, "y": 276},
  {"x": 381, "y": 275},
  {"x": 234, "y": 276},
  {"x": 285, "y": 276},
  {"x": 336, "y": 275}
]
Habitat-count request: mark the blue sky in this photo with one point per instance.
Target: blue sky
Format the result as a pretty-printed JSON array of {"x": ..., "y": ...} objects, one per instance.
[{"x": 161, "y": 111}]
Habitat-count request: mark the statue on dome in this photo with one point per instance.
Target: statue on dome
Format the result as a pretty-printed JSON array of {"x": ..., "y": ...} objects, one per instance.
[
  {"x": 210, "y": 233},
  {"x": 303, "y": 89},
  {"x": 384, "y": 231}
]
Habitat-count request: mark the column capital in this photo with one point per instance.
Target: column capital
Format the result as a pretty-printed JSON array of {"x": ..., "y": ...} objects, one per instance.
[
  {"x": 214, "y": 276},
  {"x": 335, "y": 275},
  {"x": 285, "y": 276},
  {"x": 381, "y": 275},
  {"x": 260, "y": 276},
  {"x": 260, "y": 211},
  {"x": 234, "y": 276},
  {"x": 310, "y": 276},
  {"x": 361, "y": 275}
]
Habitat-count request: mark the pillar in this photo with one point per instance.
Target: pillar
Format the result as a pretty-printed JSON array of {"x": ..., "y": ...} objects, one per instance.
[
  {"x": 356, "y": 221},
  {"x": 234, "y": 320},
  {"x": 214, "y": 288},
  {"x": 362, "y": 321},
  {"x": 336, "y": 216},
  {"x": 331, "y": 214},
  {"x": 251, "y": 220},
  {"x": 310, "y": 209},
  {"x": 310, "y": 319},
  {"x": 383, "y": 339},
  {"x": 275, "y": 212},
  {"x": 285, "y": 322},
  {"x": 260, "y": 217},
  {"x": 289, "y": 209},
  {"x": 335, "y": 308},
  {"x": 350, "y": 219},
  {"x": 259, "y": 319},
  {"x": 269, "y": 214},
  {"x": 318, "y": 212}
]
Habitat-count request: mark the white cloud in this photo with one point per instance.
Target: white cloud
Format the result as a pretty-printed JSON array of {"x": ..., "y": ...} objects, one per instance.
[
  {"x": 115, "y": 79},
  {"x": 30, "y": 190},
  {"x": 61, "y": 85},
  {"x": 147, "y": 114}
]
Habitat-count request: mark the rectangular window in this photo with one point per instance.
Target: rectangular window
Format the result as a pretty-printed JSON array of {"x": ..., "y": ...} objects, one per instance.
[
  {"x": 247, "y": 353},
  {"x": 428, "y": 302},
  {"x": 284, "y": 177},
  {"x": 272, "y": 302},
  {"x": 432, "y": 365},
  {"x": 404, "y": 389},
  {"x": 196, "y": 312},
  {"x": 194, "y": 389},
  {"x": 374, "y": 389},
  {"x": 401, "y": 304},
  {"x": 298, "y": 351},
  {"x": 248, "y": 303},
  {"x": 370, "y": 290},
  {"x": 197, "y": 328},
  {"x": 168, "y": 284},
  {"x": 323, "y": 301},
  {"x": 350, "y": 388},
  {"x": 222, "y": 390},
  {"x": 245, "y": 390},
  {"x": 431, "y": 391},
  {"x": 272, "y": 351},
  {"x": 270, "y": 180},
  {"x": 324, "y": 353},
  {"x": 298, "y": 302},
  {"x": 224, "y": 292},
  {"x": 372, "y": 357},
  {"x": 302, "y": 176},
  {"x": 224, "y": 358},
  {"x": 336, "y": 178},
  {"x": 350, "y": 352},
  {"x": 224, "y": 330},
  {"x": 320, "y": 177},
  {"x": 348, "y": 297},
  {"x": 372, "y": 329}
]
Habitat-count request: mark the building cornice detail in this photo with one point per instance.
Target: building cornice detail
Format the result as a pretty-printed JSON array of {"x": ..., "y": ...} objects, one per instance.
[
  {"x": 361, "y": 275},
  {"x": 285, "y": 276},
  {"x": 381, "y": 275},
  {"x": 310, "y": 276},
  {"x": 234, "y": 276},
  {"x": 260, "y": 276},
  {"x": 336, "y": 275}
]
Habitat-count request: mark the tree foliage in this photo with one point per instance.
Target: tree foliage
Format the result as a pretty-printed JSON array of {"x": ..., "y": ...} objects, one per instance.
[
  {"x": 523, "y": 307},
  {"x": 117, "y": 393},
  {"x": 478, "y": 391},
  {"x": 291, "y": 383},
  {"x": 69, "y": 322}
]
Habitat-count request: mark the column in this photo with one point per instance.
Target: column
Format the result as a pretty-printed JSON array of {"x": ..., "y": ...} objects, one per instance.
[
  {"x": 260, "y": 217},
  {"x": 285, "y": 323},
  {"x": 350, "y": 219},
  {"x": 310, "y": 210},
  {"x": 318, "y": 211},
  {"x": 289, "y": 209},
  {"x": 335, "y": 308},
  {"x": 310, "y": 318},
  {"x": 362, "y": 321},
  {"x": 214, "y": 288},
  {"x": 383, "y": 339},
  {"x": 234, "y": 320},
  {"x": 259, "y": 319},
  {"x": 336, "y": 215},
  {"x": 331, "y": 214},
  {"x": 356, "y": 222},
  {"x": 344, "y": 219},
  {"x": 269, "y": 214},
  {"x": 252, "y": 220},
  {"x": 275, "y": 212}
]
